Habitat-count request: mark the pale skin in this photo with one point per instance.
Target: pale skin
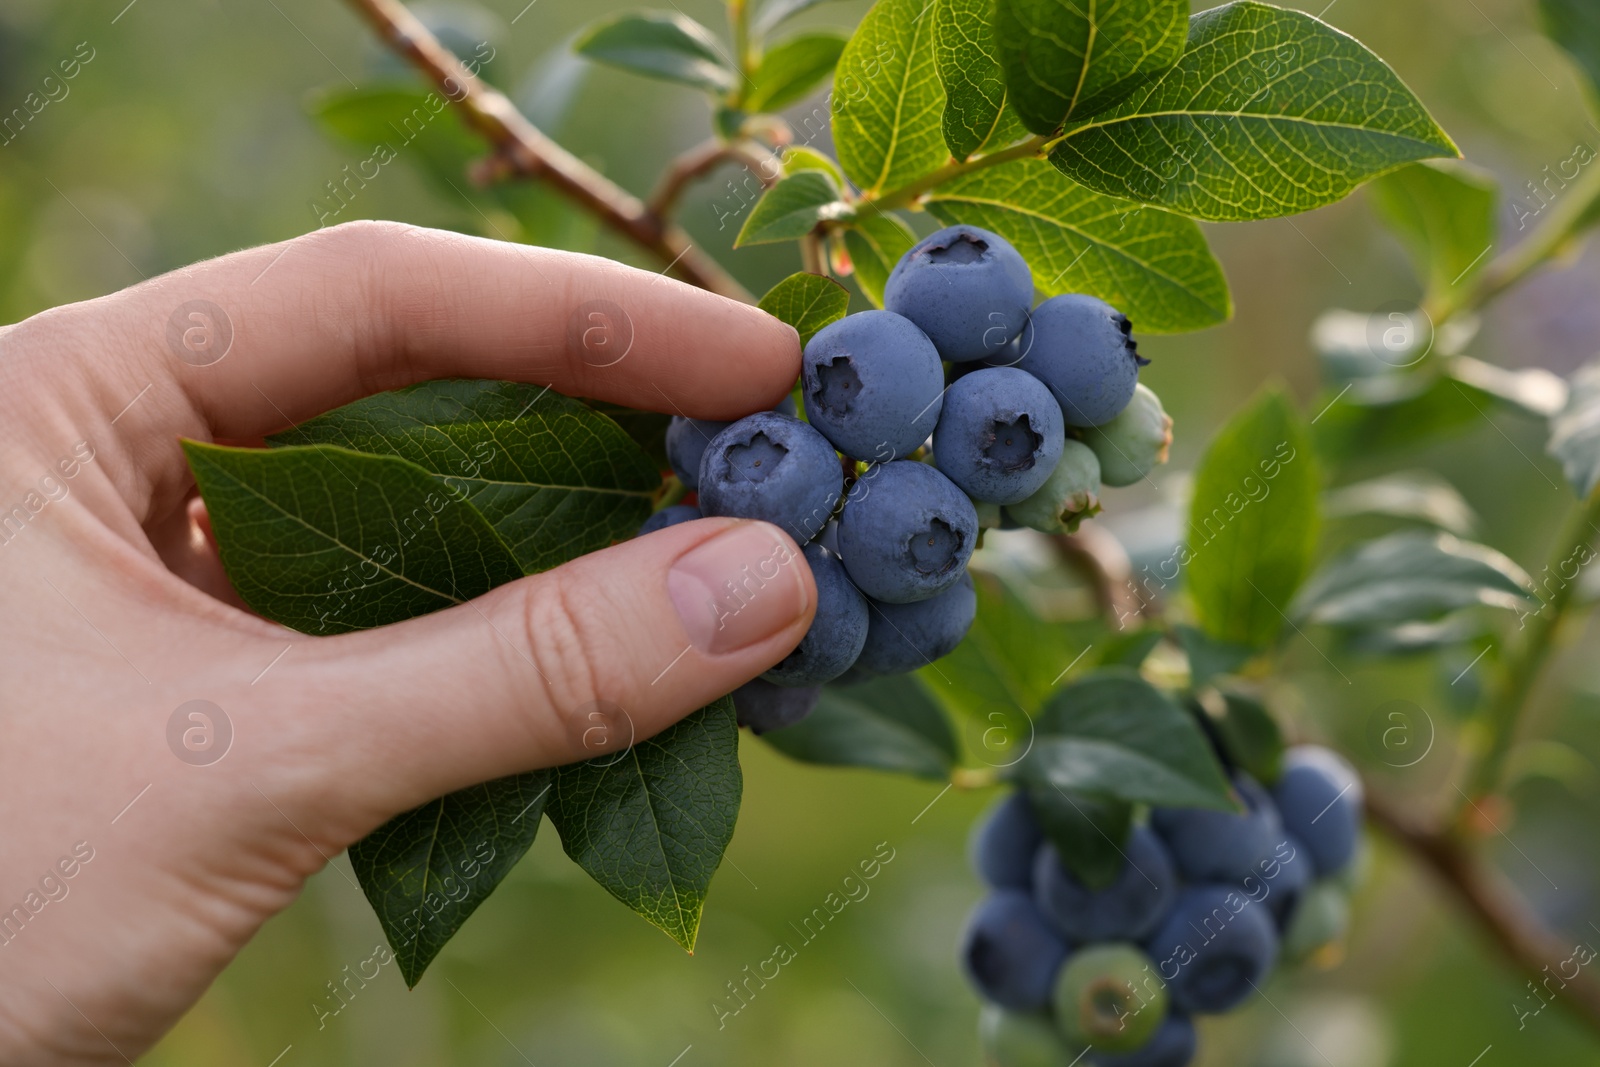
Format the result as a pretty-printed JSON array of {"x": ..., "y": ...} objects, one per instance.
[{"x": 115, "y": 609}]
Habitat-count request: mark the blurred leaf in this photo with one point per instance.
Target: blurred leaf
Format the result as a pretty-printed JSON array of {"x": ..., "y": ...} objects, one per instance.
[
  {"x": 1418, "y": 496},
  {"x": 1531, "y": 391},
  {"x": 1575, "y": 432},
  {"x": 1575, "y": 26},
  {"x": 1005, "y": 668},
  {"x": 1252, "y": 521},
  {"x": 393, "y": 123},
  {"x": 975, "y": 112},
  {"x": 887, "y": 98},
  {"x": 889, "y": 724},
  {"x": 808, "y": 302},
  {"x": 1270, "y": 112},
  {"x": 1114, "y": 735},
  {"x": 650, "y": 823},
  {"x": 1152, "y": 265},
  {"x": 672, "y": 47},
  {"x": 791, "y": 209},
  {"x": 554, "y": 477},
  {"x": 876, "y": 240},
  {"x": 1128, "y": 649},
  {"x": 1411, "y": 637},
  {"x": 1443, "y": 211},
  {"x": 776, "y": 11},
  {"x": 1208, "y": 658},
  {"x": 426, "y": 871},
  {"x": 1088, "y": 832},
  {"x": 1250, "y": 736},
  {"x": 1066, "y": 62},
  {"x": 1410, "y": 576},
  {"x": 789, "y": 71},
  {"x": 325, "y": 540}
]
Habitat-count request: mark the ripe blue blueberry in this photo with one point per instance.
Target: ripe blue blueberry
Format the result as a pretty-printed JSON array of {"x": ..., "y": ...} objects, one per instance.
[
  {"x": 1134, "y": 443},
  {"x": 1082, "y": 350},
  {"x": 1320, "y": 798},
  {"x": 1010, "y": 953},
  {"x": 762, "y": 706},
  {"x": 967, "y": 288},
  {"x": 686, "y": 444},
  {"x": 1004, "y": 843},
  {"x": 1221, "y": 946},
  {"x": 1126, "y": 910},
  {"x": 906, "y": 532},
  {"x": 669, "y": 516},
  {"x": 1286, "y": 874},
  {"x": 999, "y": 436},
  {"x": 772, "y": 467},
  {"x": 837, "y": 632},
  {"x": 1172, "y": 1045},
  {"x": 873, "y": 385},
  {"x": 1020, "y": 1039},
  {"x": 1222, "y": 846},
  {"x": 903, "y": 637},
  {"x": 1069, "y": 495}
]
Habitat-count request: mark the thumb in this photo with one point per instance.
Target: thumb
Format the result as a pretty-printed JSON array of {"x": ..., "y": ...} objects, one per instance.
[{"x": 563, "y": 666}]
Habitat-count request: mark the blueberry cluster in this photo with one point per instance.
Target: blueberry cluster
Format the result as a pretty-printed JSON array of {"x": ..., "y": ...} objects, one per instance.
[
  {"x": 1205, "y": 904},
  {"x": 957, "y": 408}
]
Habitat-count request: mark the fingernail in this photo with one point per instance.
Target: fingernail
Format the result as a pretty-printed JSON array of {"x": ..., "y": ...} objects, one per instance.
[{"x": 739, "y": 588}]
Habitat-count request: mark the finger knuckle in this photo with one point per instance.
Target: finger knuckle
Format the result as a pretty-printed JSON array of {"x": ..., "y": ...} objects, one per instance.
[{"x": 565, "y": 638}]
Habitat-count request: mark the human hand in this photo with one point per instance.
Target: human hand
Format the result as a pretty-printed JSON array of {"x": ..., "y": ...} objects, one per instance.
[{"x": 131, "y": 877}]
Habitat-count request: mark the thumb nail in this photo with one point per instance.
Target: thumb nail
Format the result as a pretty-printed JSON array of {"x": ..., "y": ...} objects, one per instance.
[{"x": 739, "y": 588}]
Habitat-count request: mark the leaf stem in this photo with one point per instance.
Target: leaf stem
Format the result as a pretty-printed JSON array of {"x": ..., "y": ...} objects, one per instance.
[
  {"x": 1515, "y": 264},
  {"x": 906, "y": 194},
  {"x": 1521, "y": 672},
  {"x": 813, "y": 256},
  {"x": 743, "y": 51},
  {"x": 701, "y": 160}
]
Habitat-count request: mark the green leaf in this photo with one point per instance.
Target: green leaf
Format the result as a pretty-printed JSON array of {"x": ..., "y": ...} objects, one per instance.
[
  {"x": 887, "y": 99},
  {"x": 1128, "y": 649},
  {"x": 647, "y": 429},
  {"x": 426, "y": 871},
  {"x": 808, "y": 302},
  {"x": 556, "y": 478},
  {"x": 325, "y": 540},
  {"x": 387, "y": 123},
  {"x": 1088, "y": 832},
  {"x": 876, "y": 240},
  {"x": 1209, "y": 658},
  {"x": 1152, "y": 265},
  {"x": 1575, "y": 432},
  {"x": 672, "y": 47},
  {"x": 1252, "y": 522},
  {"x": 889, "y": 724},
  {"x": 1005, "y": 668},
  {"x": 775, "y": 12},
  {"x": 1114, "y": 735},
  {"x": 651, "y": 823},
  {"x": 1067, "y": 60},
  {"x": 1443, "y": 211},
  {"x": 1415, "y": 496},
  {"x": 1269, "y": 112},
  {"x": 790, "y": 70},
  {"x": 1410, "y": 576},
  {"x": 1575, "y": 26},
  {"x": 1250, "y": 736},
  {"x": 791, "y": 209},
  {"x": 797, "y": 158},
  {"x": 975, "y": 112}
]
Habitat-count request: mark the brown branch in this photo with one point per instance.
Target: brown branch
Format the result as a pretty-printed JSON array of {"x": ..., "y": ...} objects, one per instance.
[
  {"x": 1494, "y": 904},
  {"x": 528, "y": 153},
  {"x": 1096, "y": 554},
  {"x": 701, "y": 160}
]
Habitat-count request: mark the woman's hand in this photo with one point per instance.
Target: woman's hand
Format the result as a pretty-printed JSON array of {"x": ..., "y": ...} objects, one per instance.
[{"x": 129, "y": 878}]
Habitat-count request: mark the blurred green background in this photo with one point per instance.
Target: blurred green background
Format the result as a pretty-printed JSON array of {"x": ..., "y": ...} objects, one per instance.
[{"x": 190, "y": 133}]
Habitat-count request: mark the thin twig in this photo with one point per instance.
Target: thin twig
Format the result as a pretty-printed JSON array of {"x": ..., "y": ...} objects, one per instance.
[
  {"x": 701, "y": 160},
  {"x": 1495, "y": 905},
  {"x": 1100, "y": 557},
  {"x": 529, "y": 153}
]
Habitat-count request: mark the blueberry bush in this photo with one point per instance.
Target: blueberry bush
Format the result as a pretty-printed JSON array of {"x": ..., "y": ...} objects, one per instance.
[{"x": 1007, "y": 193}]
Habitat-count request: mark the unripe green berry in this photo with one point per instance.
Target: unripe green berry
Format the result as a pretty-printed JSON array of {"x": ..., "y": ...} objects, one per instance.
[
  {"x": 1134, "y": 443},
  {"x": 1321, "y": 917},
  {"x": 1020, "y": 1039},
  {"x": 1108, "y": 997},
  {"x": 988, "y": 514},
  {"x": 1070, "y": 495}
]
